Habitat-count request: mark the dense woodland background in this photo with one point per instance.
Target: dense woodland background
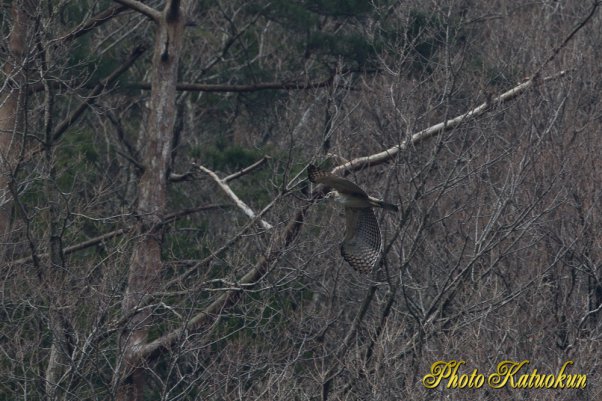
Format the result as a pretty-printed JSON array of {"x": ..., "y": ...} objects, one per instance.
[{"x": 132, "y": 270}]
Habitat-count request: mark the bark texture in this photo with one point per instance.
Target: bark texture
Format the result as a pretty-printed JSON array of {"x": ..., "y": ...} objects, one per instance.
[
  {"x": 12, "y": 97},
  {"x": 145, "y": 265}
]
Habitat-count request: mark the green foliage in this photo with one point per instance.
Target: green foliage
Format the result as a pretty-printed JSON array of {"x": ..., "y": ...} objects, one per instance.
[
  {"x": 78, "y": 153},
  {"x": 354, "y": 48},
  {"x": 186, "y": 244},
  {"x": 307, "y": 18},
  {"x": 84, "y": 62},
  {"x": 420, "y": 37},
  {"x": 260, "y": 102},
  {"x": 427, "y": 33},
  {"x": 339, "y": 8},
  {"x": 305, "y": 14},
  {"x": 291, "y": 14},
  {"x": 224, "y": 156}
]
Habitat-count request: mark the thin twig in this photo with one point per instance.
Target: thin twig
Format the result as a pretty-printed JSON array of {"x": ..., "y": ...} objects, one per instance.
[
  {"x": 93, "y": 22},
  {"x": 71, "y": 118},
  {"x": 557, "y": 50},
  {"x": 116, "y": 233}
]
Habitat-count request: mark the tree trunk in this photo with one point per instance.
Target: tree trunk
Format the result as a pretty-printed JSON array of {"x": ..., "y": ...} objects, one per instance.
[
  {"x": 145, "y": 264},
  {"x": 11, "y": 111}
]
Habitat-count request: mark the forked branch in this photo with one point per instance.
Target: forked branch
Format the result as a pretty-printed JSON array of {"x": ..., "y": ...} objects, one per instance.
[{"x": 223, "y": 184}]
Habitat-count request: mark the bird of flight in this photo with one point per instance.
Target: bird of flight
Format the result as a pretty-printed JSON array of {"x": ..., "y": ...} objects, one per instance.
[{"x": 362, "y": 245}]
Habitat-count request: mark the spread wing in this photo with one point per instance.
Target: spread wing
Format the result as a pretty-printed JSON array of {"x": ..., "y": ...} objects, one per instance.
[
  {"x": 330, "y": 180},
  {"x": 361, "y": 247}
]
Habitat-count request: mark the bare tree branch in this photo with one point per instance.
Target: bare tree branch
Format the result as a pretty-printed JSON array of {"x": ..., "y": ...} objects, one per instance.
[
  {"x": 247, "y": 169},
  {"x": 290, "y": 232},
  {"x": 579, "y": 26},
  {"x": 71, "y": 118},
  {"x": 198, "y": 87},
  {"x": 389, "y": 154},
  {"x": 194, "y": 87},
  {"x": 332, "y": 371},
  {"x": 223, "y": 248},
  {"x": 280, "y": 241},
  {"x": 141, "y": 8},
  {"x": 116, "y": 233},
  {"x": 498, "y": 227},
  {"x": 93, "y": 22},
  {"x": 239, "y": 203}
]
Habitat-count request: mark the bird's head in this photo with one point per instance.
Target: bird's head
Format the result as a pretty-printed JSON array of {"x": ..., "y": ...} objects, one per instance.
[{"x": 333, "y": 196}]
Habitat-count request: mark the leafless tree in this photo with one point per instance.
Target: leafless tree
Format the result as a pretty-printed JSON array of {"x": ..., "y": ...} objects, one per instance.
[{"x": 161, "y": 240}]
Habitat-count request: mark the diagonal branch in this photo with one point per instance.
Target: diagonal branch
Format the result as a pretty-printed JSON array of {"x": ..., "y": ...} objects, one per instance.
[
  {"x": 93, "y": 22},
  {"x": 444, "y": 126},
  {"x": 223, "y": 248},
  {"x": 280, "y": 241},
  {"x": 579, "y": 26},
  {"x": 332, "y": 373},
  {"x": 239, "y": 202},
  {"x": 247, "y": 169},
  {"x": 116, "y": 233},
  {"x": 71, "y": 118},
  {"x": 141, "y": 8}
]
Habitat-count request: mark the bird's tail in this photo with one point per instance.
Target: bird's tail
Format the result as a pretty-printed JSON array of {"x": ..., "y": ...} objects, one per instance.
[{"x": 384, "y": 205}]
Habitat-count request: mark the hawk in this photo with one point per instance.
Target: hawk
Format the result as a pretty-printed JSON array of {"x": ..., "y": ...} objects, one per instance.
[{"x": 362, "y": 246}]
